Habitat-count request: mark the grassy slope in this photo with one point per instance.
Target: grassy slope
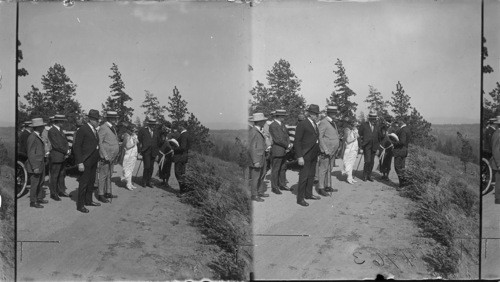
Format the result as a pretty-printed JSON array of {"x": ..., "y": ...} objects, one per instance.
[{"x": 7, "y": 254}]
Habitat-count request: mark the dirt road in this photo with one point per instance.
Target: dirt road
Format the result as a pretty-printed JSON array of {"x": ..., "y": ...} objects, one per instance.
[
  {"x": 490, "y": 255},
  {"x": 142, "y": 235},
  {"x": 357, "y": 233}
]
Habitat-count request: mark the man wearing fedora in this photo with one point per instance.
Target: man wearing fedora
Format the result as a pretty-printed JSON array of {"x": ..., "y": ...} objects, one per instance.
[
  {"x": 58, "y": 154},
  {"x": 23, "y": 137},
  {"x": 86, "y": 151},
  {"x": 495, "y": 158},
  {"x": 148, "y": 147},
  {"x": 35, "y": 165},
  {"x": 329, "y": 144},
  {"x": 181, "y": 156},
  {"x": 306, "y": 146},
  {"x": 108, "y": 151},
  {"x": 400, "y": 151},
  {"x": 488, "y": 133},
  {"x": 280, "y": 145},
  {"x": 256, "y": 153},
  {"x": 370, "y": 136}
]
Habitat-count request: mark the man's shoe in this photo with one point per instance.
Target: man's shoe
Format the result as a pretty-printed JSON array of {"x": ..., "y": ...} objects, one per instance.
[
  {"x": 313, "y": 197},
  {"x": 102, "y": 199},
  {"x": 284, "y": 188},
  {"x": 109, "y": 195},
  {"x": 93, "y": 204},
  {"x": 55, "y": 197},
  {"x": 257, "y": 199},
  {"x": 364, "y": 179},
  {"x": 303, "y": 203},
  {"x": 35, "y": 205},
  {"x": 276, "y": 191},
  {"x": 148, "y": 184},
  {"x": 83, "y": 209},
  {"x": 329, "y": 189},
  {"x": 322, "y": 192},
  {"x": 369, "y": 178},
  {"x": 63, "y": 194},
  {"x": 42, "y": 201},
  {"x": 263, "y": 195}
]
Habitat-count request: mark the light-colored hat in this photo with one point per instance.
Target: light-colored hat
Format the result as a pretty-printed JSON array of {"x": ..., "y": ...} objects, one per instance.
[
  {"x": 280, "y": 113},
  {"x": 273, "y": 113},
  {"x": 111, "y": 114},
  {"x": 492, "y": 120},
  {"x": 258, "y": 117},
  {"x": 497, "y": 120},
  {"x": 151, "y": 121},
  {"x": 393, "y": 137},
  {"x": 36, "y": 122},
  {"x": 59, "y": 117},
  {"x": 372, "y": 114},
  {"x": 250, "y": 118},
  {"x": 27, "y": 123},
  {"x": 331, "y": 109}
]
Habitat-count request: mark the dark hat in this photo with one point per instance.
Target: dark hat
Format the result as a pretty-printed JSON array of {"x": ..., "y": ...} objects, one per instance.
[
  {"x": 313, "y": 108},
  {"x": 59, "y": 117},
  {"x": 94, "y": 114},
  {"x": 280, "y": 113}
]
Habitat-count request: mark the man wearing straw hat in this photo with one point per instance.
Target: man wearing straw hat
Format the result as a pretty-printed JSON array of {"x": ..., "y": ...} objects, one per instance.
[
  {"x": 86, "y": 150},
  {"x": 495, "y": 159},
  {"x": 306, "y": 146},
  {"x": 400, "y": 151},
  {"x": 58, "y": 154},
  {"x": 35, "y": 165},
  {"x": 108, "y": 151},
  {"x": 148, "y": 147},
  {"x": 329, "y": 144},
  {"x": 370, "y": 136},
  {"x": 280, "y": 146},
  {"x": 256, "y": 152}
]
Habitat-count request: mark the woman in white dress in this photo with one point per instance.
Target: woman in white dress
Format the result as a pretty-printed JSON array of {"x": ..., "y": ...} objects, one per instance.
[
  {"x": 130, "y": 155},
  {"x": 351, "y": 149}
]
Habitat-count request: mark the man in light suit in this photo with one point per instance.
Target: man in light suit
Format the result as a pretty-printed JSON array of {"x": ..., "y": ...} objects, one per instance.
[
  {"x": 370, "y": 136},
  {"x": 58, "y": 154},
  {"x": 280, "y": 146},
  {"x": 400, "y": 151},
  {"x": 306, "y": 146},
  {"x": 181, "y": 156},
  {"x": 256, "y": 152},
  {"x": 35, "y": 165},
  {"x": 329, "y": 144},
  {"x": 86, "y": 150},
  {"x": 108, "y": 151},
  {"x": 148, "y": 147}
]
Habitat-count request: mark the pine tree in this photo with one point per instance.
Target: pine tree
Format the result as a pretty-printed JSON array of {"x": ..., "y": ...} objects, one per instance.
[
  {"x": 21, "y": 71},
  {"x": 400, "y": 103},
  {"x": 340, "y": 96},
  {"x": 201, "y": 142},
  {"x": 282, "y": 93},
  {"x": 420, "y": 130},
  {"x": 361, "y": 117},
  {"x": 138, "y": 122},
  {"x": 491, "y": 108},
  {"x": 153, "y": 108},
  {"x": 376, "y": 102},
  {"x": 466, "y": 154},
  {"x": 486, "y": 68},
  {"x": 177, "y": 108},
  {"x": 116, "y": 101}
]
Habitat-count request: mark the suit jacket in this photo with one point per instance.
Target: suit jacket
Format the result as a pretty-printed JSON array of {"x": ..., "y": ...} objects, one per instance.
[
  {"x": 256, "y": 147},
  {"x": 59, "y": 145},
  {"x": 86, "y": 146},
  {"x": 108, "y": 143},
  {"x": 23, "y": 141},
  {"x": 36, "y": 153},
  {"x": 328, "y": 137},
  {"x": 487, "y": 138},
  {"x": 306, "y": 138},
  {"x": 181, "y": 152},
  {"x": 280, "y": 139},
  {"x": 369, "y": 139},
  {"x": 146, "y": 141},
  {"x": 401, "y": 147},
  {"x": 495, "y": 150},
  {"x": 267, "y": 135},
  {"x": 45, "y": 138}
]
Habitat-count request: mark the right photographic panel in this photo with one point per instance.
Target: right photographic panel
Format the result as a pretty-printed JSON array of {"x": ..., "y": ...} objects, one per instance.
[
  {"x": 365, "y": 139},
  {"x": 490, "y": 161}
]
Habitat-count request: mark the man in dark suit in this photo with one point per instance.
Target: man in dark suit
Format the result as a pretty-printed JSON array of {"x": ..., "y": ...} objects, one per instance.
[
  {"x": 58, "y": 154},
  {"x": 488, "y": 133},
  {"x": 280, "y": 146},
  {"x": 400, "y": 151},
  {"x": 370, "y": 136},
  {"x": 86, "y": 150},
  {"x": 181, "y": 156},
  {"x": 35, "y": 165},
  {"x": 306, "y": 146},
  {"x": 23, "y": 137},
  {"x": 148, "y": 147}
]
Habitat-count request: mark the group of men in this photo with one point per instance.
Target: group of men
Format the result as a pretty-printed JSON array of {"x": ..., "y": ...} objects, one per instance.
[
  {"x": 96, "y": 148},
  {"x": 491, "y": 151},
  {"x": 315, "y": 146}
]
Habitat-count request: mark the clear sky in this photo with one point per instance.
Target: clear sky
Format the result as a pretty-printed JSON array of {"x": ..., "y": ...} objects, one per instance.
[
  {"x": 202, "y": 48},
  {"x": 491, "y": 33},
  {"x": 431, "y": 47},
  {"x": 7, "y": 63}
]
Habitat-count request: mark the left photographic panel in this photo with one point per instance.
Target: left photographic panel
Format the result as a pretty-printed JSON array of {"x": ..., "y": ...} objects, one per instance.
[
  {"x": 7, "y": 139},
  {"x": 134, "y": 123}
]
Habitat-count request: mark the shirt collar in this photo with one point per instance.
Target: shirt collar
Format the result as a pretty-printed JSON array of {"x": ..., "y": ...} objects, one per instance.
[
  {"x": 109, "y": 124},
  {"x": 329, "y": 119},
  {"x": 279, "y": 122},
  {"x": 57, "y": 127},
  {"x": 258, "y": 128},
  {"x": 185, "y": 130}
]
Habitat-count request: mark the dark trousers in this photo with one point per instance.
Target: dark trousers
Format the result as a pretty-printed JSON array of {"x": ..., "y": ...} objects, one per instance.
[
  {"x": 497, "y": 185},
  {"x": 399, "y": 167},
  {"x": 148, "y": 159},
  {"x": 306, "y": 174},
  {"x": 257, "y": 180},
  {"x": 86, "y": 185},
  {"x": 36, "y": 190},
  {"x": 57, "y": 176},
  {"x": 369, "y": 156},
  {"x": 278, "y": 172},
  {"x": 180, "y": 171}
]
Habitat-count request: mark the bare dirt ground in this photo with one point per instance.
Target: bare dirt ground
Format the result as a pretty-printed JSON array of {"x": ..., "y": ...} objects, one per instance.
[
  {"x": 7, "y": 259},
  {"x": 142, "y": 235},
  {"x": 490, "y": 254},
  {"x": 358, "y": 232}
]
